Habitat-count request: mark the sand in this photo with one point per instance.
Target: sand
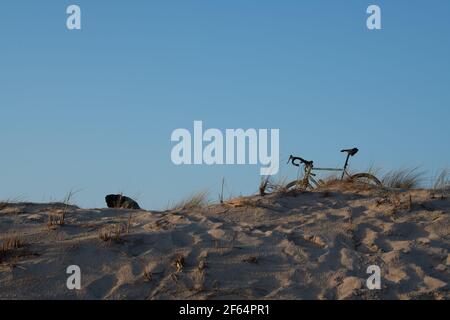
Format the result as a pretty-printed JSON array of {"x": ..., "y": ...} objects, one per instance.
[{"x": 311, "y": 245}]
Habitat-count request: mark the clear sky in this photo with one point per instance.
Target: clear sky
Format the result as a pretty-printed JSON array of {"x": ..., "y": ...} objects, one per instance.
[{"x": 94, "y": 109}]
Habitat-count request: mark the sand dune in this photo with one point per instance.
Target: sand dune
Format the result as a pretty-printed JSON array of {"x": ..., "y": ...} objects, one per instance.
[{"x": 314, "y": 245}]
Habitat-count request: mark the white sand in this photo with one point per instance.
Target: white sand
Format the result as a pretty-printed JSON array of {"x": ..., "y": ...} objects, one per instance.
[{"x": 314, "y": 245}]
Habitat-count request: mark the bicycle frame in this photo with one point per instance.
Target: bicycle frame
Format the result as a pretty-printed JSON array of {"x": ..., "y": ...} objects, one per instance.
[{"x": 309, "y": 175}]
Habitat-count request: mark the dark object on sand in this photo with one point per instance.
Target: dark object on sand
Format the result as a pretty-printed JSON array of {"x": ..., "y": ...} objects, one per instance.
[{"x": 121, "y": 202}]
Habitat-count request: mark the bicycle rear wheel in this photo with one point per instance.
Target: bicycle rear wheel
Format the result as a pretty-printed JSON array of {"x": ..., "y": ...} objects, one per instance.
[{"x": 366, "y": 178}]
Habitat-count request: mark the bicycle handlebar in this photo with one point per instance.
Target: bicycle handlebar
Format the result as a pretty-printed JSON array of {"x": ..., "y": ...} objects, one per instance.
[{"x": 305, "y": 162}]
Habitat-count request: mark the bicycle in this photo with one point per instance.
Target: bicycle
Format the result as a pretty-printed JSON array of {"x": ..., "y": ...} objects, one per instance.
[{"x": 308, "y": 181}]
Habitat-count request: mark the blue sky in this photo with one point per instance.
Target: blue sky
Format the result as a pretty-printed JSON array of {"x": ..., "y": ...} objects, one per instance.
[{"x": 94, "y": 109}]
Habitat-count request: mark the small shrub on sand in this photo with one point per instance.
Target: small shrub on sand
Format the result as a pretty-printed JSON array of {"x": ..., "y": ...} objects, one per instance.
[{"x": 403, "y": 178}]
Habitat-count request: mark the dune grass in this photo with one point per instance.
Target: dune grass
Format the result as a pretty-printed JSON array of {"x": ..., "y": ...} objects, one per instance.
[
  {"x": 10, "y": 245},
  {"x": 406, "y": 178},
  {"x": 263, "y": 186},
  {"x": 112, "y": 233},
  {"x": 4, "y": 204},
  {"x": 7, "y": 202},
  {"x": 442, "y": 181},
  {"x": 269, "y": 185},
  {"x": 279, "y": 185},
  {"x": 197, "y": 200}
]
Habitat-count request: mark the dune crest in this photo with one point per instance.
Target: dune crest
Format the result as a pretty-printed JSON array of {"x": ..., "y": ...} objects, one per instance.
[{"x": 312, "y": 245}]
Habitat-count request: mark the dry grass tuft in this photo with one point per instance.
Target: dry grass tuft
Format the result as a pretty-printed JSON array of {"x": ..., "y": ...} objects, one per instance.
[
  {"x": 10, "y": 245},
  {"x": 8, "y": 202},
  {"x": 267, "y": 185},
  {"x": 66, "y": 202},
  {"x": 148, "y": 276},
  {"x": 202, "y": 265},
  {"x": 280, "y": 185},
  {"x": 403, "y": 178},
  {"x": 375, "y": 171},
  {"x": 129, "y": 223},
  {"x": 331, "y": 181},
  {"x": 442, "y": 182},
  {"x": 55, "y": 219},
  {"x": 441, "y": 185},
  {"x": 399, "y": 202},
  {"x": 112, "y": 233},
  {"x": 179, "y": 263},
  {"x": 198, "y": 200},
  {"x": 3, "y": 204},
  {"x": 58, "y": 218},
  {"x": 263, "y": 186}
]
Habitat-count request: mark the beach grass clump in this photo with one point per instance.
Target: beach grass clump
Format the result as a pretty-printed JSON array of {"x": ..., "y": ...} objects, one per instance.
[
  {"x": 407, "y": 178},
  {"x": 195, "y": 201}
]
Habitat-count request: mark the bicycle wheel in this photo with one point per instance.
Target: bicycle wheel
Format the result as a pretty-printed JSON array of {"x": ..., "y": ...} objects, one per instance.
[{"x": 366, "y": 178}]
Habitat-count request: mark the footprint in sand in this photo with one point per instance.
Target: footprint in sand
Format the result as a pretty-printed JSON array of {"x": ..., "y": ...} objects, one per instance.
[
  {"x": 100, "y": 288},
  {"x": 181, "y": 239}
]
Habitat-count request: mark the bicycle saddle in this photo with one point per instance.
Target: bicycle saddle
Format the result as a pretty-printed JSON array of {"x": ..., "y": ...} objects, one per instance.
[{"x": 351, "y": 152}]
